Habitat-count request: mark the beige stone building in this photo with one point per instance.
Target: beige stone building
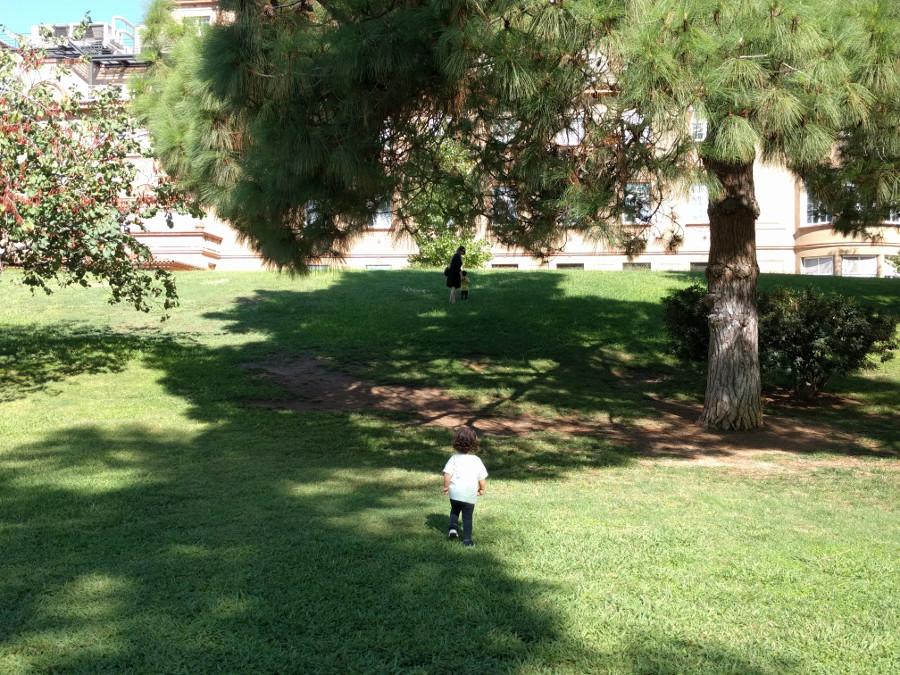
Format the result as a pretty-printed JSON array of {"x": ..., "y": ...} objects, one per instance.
[{"x": 792, "y": 236}]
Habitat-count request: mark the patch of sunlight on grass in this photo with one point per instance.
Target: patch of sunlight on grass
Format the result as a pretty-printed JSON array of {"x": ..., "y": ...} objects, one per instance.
[
  {"x": 383, "y": 481},
  {"x": 233, "y": 606},
  {"x": 15, "y": 665},
  {"x": 88, "y": 479},
  {"x": 88, "y": 483},
  {"x": 90, "y": 597},
  {"x": 609, "y": 354},
  {"x": 95, "y": 639},
  {"x": 193, "y": 551},
  {"x": 542, "y": 365}
]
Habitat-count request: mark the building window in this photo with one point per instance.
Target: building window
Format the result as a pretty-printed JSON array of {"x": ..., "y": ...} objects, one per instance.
[
  {"x": 859, "y": 266},
  {"x": 820, "y": 267},
  {"x": 698, "y": 204},
  {"x": 503, "y": 204},
  {"x": 889, "y": 269},
  {"x": 633, "y": 123},
  {"x": 197, "y": 23},
  {"x": 570, "y": 266},
  {"x": 816, "y": 213},
  {"x": 573, "y": 134},
  {"x": 310, "y": 213},
  {"x": 504, "y": 130},
  {"x": 637, "y": 203},
  {"x": 635, "y": 266},
  {"x": 698, "y": 266},
  {"x": 699, "y": 128},
  {"x": 505, "y": 266},
  {"x": 383, "y": 216},
  {"x": 319, "y": 268},
  {"x": 378, "y": 267}
]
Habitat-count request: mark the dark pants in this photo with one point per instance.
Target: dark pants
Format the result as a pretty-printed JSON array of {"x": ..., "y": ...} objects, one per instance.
[
  {"x": 465, "y": 295},
  {"x": 466, "y": 509}
]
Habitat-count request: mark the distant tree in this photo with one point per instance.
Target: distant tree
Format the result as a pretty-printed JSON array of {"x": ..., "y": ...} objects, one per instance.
[
  {"x": 438, "y": 244},
  {"x": 572, "y": 116},
  {"x": 440, "y": 219},
  {"x": 68, "y": 190}
]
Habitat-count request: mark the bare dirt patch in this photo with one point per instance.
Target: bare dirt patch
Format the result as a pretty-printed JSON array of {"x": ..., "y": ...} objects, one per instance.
[{"x": 670, "y": 437}]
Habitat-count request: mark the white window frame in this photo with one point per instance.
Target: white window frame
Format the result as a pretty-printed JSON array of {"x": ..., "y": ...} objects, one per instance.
[
  {"x": 817, "y": 259},
  {"x": 633, "y": 117},
  {"x": 854, "y": 260},
  {"x": 889, "y": 270},
  {"x": 643, "y": 206},
  {"x": 699, "y": 127},
  {"x": 504, "y": 130},
  {"x": 573, "y": 134},
  {"x": 309, "y": 213},
  {"x": 698, "y": 204},
  {"x": 383, "y": 218},
  {"x": 813, "y": 215},
  {"x": 504, "y": 194}
]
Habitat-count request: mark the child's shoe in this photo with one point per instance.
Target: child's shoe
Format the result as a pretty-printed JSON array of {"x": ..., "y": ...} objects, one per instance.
[
  {"x": 452, "y": 534},
  {"x": 469, "y": 543}
]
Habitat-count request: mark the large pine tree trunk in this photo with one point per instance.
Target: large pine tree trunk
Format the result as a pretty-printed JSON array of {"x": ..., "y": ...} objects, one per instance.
[{"x": 733, "y": 389}]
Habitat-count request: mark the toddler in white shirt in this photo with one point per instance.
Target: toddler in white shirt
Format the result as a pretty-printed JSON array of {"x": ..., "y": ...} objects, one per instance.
[{"x": 464, "y": 482}]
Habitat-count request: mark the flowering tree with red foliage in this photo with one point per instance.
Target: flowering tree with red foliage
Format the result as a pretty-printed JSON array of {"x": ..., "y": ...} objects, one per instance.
[{"x": 69, "y": 188}]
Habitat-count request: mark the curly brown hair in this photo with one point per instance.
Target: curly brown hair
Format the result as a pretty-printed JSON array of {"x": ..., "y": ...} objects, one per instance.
[{"x": 465, "y": 440}]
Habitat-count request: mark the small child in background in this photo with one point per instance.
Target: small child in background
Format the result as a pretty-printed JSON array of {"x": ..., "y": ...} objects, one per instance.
[
  {"x": 464, "y": 286},
  {"x": 464, "y": 481}
]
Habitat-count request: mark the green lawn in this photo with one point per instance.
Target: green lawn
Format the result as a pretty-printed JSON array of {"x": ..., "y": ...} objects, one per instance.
[{"x": 152, "y": 522}]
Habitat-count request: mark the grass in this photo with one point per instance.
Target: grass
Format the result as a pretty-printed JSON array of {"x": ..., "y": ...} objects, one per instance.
[{"x": 150, "y": 521}]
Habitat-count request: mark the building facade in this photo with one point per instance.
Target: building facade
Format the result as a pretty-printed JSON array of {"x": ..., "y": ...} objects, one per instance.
[{"x": 792, "y": 235}]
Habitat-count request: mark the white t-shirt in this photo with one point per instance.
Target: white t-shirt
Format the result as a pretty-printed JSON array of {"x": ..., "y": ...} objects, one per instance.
[{"x": 465, "y": 472}]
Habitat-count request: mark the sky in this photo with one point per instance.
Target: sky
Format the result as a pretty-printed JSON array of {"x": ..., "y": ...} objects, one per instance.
[{"x": 20, "y": 15}]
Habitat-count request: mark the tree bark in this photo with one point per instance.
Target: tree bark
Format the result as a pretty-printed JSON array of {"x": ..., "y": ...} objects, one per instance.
[{"x": 733, "y": 387}]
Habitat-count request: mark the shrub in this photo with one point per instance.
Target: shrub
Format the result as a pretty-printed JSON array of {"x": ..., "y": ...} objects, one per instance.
[
  {"x": 806, "y": 335},
  {"x": 811, "y": 337},
  {"x": 686, "y": 319},
  {"x": 436, "y": 247}
]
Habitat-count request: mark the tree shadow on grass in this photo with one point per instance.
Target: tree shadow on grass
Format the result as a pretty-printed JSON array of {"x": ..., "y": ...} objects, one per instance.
[
  {"x": 525, "y": 343},
  {"x": 876, "y": 421},
  {"x": 529, "y": 346},
  {"x": 203, "y": 555},
  {"x": 32, "y": 357},
  {"x": 245, "y": 552},
  {"x": 281, "y": 542}
]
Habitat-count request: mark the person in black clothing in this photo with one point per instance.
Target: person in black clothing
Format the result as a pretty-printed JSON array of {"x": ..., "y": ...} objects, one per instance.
[{"x": 454, "y": 273}]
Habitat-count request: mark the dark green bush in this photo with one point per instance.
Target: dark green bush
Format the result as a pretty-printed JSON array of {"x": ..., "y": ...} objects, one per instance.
[
  {"x": 811, "y": 336},
  {"x": 686, "y": 318},
  {"x": 806, "y": 335}
]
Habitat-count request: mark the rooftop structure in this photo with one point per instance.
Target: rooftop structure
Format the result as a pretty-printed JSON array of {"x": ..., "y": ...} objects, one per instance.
[{"x": 112, "y": 48}]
